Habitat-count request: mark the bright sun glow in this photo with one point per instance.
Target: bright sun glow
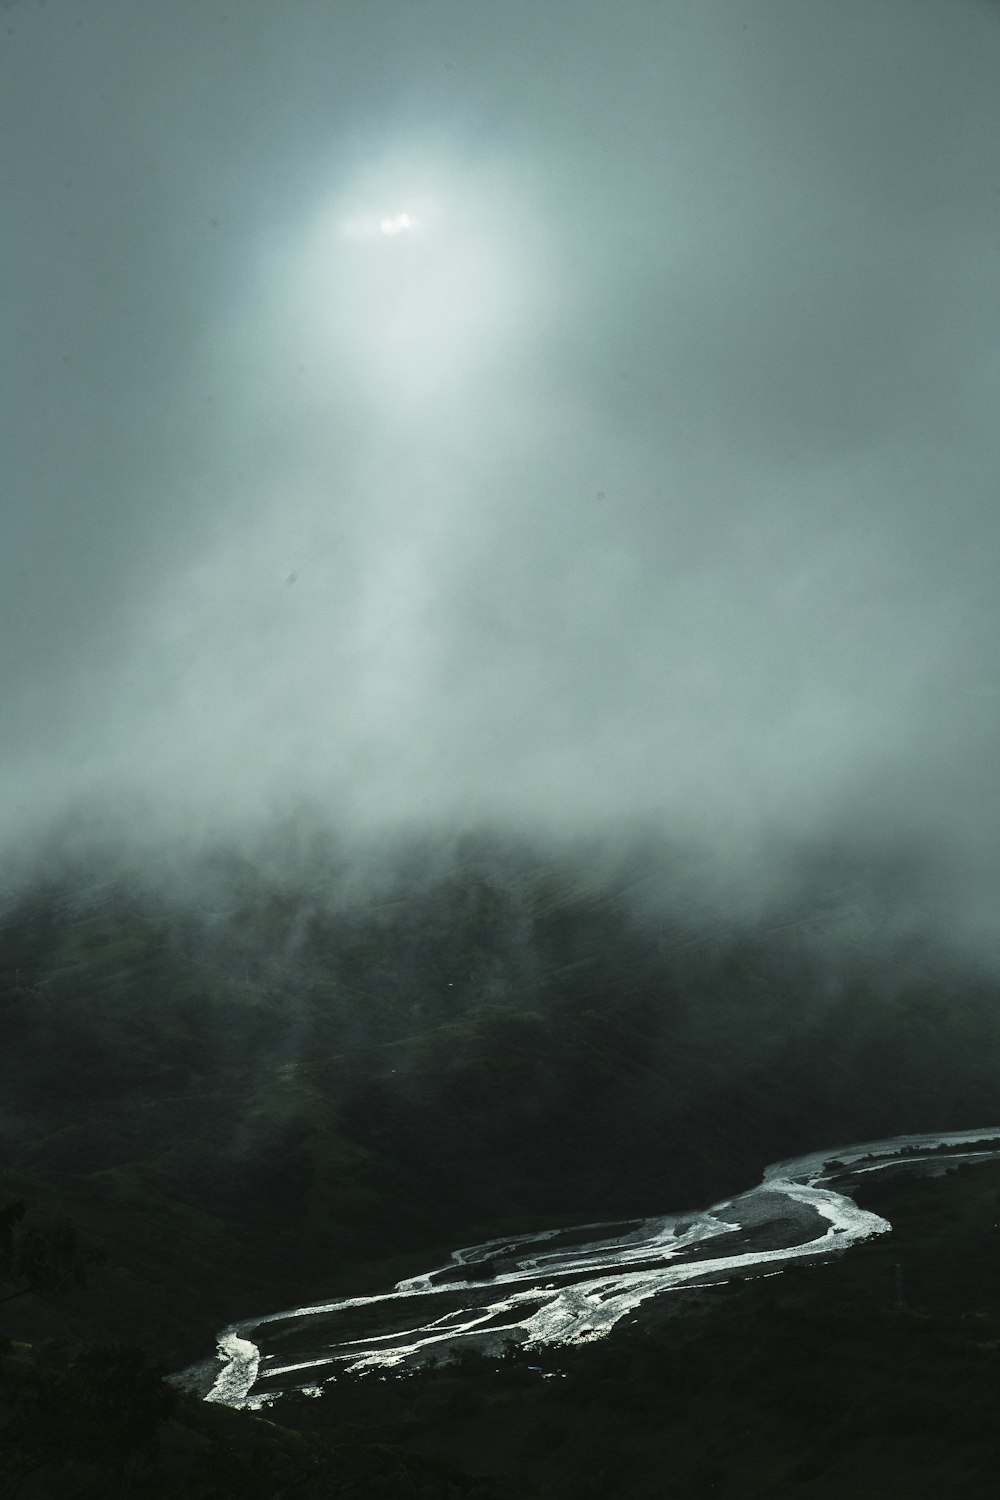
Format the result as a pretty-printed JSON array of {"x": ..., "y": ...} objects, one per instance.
[
  {"x": 407, "y": 292},
  {"x": 387, "y": 226},
  {"x": 398, "y": 224}
]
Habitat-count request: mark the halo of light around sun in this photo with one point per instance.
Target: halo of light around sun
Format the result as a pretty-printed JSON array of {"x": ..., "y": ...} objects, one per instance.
[{"x": 408, "y": 293}]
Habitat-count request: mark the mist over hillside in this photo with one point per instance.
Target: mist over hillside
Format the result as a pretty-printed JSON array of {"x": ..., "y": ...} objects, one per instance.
[
  {"x": 333, "y": 1061},
  {"x": 499, "y": 702},
  {"x": 499, "y": 711},
  {"x": 549, "y": 418}
]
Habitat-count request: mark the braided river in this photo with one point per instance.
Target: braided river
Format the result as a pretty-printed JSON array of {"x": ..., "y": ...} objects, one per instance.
[{"x": 565, "y": 1286}]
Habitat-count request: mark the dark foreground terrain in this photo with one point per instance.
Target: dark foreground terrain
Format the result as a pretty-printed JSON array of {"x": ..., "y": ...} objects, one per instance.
[
  {"x": 874, "y": 1374},
  {"x": 255, "y": 1091}
]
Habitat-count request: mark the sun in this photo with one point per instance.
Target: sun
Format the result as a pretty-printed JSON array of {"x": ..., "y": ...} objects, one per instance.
[
  {"x": 397, "y": 224},
  {"x": 403, "y": 223}
]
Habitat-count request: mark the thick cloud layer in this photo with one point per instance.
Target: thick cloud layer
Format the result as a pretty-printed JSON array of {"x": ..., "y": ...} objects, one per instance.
[{"x": 561, "y": 414}]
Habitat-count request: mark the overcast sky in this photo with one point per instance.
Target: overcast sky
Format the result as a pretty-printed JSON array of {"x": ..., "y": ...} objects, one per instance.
[{"x": 544, "y": 410}]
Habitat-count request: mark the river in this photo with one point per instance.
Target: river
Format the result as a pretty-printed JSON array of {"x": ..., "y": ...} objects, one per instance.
[{"x": 570, "y": 1285}]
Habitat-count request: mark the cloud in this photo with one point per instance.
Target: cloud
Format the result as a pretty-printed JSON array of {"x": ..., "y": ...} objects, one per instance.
[{"x": 616, "y": 384}]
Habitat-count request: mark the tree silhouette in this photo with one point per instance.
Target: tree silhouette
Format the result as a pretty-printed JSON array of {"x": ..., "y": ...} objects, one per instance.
[{"x": 45, "y": 1260}]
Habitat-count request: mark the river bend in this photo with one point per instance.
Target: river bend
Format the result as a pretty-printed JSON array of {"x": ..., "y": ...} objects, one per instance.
[{"x": 567, "y": 1286}]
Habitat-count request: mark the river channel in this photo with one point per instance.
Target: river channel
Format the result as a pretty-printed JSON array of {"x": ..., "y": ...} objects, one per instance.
[{"x": 561, "y": 1286}]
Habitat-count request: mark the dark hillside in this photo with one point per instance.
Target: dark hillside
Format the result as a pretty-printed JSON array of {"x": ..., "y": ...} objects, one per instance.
[
  {"x": 870, "y": 1375},
  {"x": 290, "y": 1085}
]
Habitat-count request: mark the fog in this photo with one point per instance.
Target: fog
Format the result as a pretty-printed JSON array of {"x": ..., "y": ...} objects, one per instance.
[{"x": 572, "y": 418}]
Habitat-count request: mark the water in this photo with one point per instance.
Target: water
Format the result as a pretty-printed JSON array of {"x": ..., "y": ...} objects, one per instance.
[{"x": 566, "y": 1286}]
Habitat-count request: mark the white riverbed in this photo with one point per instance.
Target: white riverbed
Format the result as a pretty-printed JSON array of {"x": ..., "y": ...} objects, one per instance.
[{"x": 566, "y": 1286}]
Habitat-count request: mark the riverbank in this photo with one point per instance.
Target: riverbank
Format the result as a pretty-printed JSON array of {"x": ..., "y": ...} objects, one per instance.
[
  {"x": 545, "y": 1290},
  {"x": 846, "y": 1377}
]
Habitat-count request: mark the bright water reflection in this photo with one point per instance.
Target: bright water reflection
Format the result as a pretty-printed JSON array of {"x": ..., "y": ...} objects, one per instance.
[{"x": 568, "y": 1286}]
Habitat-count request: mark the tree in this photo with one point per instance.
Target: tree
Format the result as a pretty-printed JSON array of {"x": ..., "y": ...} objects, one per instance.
[{"x": 44, "y": 1260}]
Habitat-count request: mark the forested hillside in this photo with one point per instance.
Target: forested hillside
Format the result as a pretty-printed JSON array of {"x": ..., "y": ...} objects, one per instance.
[{"x": 255, "y": 1088}]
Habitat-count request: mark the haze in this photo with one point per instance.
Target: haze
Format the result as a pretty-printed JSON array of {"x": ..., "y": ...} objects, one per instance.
[{"x": 566, "y": 416}]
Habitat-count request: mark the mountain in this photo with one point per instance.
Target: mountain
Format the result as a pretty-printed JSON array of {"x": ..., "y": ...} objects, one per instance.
[
  {"x": 268, "y": 1081},
  {"x": 257, "y": 1082}
]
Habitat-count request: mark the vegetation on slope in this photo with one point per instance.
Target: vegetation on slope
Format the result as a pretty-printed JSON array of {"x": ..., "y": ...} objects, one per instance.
[
  {"x": 284, "y": 1086},
  {"x": 873, "y": 1374}
]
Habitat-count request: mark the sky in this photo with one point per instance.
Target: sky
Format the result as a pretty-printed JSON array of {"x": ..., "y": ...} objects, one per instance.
[{"x": 567, "y": 415}]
